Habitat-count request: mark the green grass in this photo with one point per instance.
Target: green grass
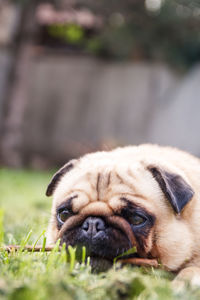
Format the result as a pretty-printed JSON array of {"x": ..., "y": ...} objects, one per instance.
[{"x": 24, "y": 214}]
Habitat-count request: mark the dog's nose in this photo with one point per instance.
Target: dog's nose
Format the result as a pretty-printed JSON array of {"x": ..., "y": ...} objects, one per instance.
[{"x": 92, "y": 226}]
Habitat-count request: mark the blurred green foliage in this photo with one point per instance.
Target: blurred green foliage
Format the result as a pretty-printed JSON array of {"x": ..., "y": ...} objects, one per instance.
[
  {"x": 155, "y": 30},
  {"x": 141, "y": 30},
  {"x": 71, "y": 33},
  {"x": 158, "y": 30}
]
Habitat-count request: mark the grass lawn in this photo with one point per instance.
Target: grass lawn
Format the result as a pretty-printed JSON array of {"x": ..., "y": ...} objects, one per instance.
[{"x": 24, "y": 214}]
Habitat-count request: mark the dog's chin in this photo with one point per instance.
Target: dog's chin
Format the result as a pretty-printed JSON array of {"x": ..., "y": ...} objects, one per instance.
[
  {"x": 99, "y": 264},
  {"x": 102, "y": 264}
]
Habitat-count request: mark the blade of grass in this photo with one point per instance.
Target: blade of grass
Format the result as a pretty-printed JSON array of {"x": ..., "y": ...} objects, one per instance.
[
  {"x": 63, "y": 254},
  {"x": 43, "y": 232},
  {"x": 128, "y": 252},
  {"x": 1, "y": 227},
  {"x": 53, "y": 258},
  {"x": 56, "y": 247},
  {"x": 83, "y": 255},
  {"x": 25, "y": 241},
  {"x": 44, "y": 244},
  {"x": 72, "y": 254},
  {"x": 88, "y": 261}
]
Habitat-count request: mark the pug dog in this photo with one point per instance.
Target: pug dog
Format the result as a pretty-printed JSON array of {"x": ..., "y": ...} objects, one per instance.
[{"x": 145, "y": 196}]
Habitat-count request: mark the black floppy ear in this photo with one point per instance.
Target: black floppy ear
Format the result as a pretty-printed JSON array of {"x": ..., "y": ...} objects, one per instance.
[
  {"x": 57, "y": 176},
  {"x": 175, "y": 188}
]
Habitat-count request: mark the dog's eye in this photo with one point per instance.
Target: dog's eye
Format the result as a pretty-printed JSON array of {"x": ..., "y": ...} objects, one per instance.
[
  {"x": 138, "y": 219},
  {"x": 63, "y": 215}
]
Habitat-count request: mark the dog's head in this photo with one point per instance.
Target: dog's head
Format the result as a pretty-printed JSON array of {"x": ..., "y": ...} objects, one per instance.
[{"x": 110, "y": 202}]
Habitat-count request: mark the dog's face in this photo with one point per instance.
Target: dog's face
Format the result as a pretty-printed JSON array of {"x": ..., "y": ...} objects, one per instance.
[{"x": 110, "y": 203}]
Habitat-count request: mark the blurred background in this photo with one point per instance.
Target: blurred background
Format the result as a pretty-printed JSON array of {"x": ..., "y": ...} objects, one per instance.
[{"x": 81, "y": 75}]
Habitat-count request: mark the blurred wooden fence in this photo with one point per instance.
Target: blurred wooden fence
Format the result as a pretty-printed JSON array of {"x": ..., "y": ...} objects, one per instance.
[
  {"x": 54, "y": 107},
  {"x": 62, "y": 106}
]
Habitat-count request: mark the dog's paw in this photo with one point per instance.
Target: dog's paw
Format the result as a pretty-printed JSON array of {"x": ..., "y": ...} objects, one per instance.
[{"x": 190, "y": 275}]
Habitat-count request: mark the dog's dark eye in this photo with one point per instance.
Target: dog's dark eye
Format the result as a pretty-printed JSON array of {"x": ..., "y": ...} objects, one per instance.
[
  {"x": 63, "y": 215},
  {"x": 137, "y": 219}
]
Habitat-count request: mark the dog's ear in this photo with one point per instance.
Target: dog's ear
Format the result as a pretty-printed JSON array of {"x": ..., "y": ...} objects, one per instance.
[
  {"x": 57, "y": 176},
  {"x": 176, "y": 189}
]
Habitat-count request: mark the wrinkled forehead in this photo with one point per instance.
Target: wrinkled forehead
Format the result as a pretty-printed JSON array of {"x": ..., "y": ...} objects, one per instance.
[
  {"x": 97, "y": 175},
  {"x": 103, "y": 184}
]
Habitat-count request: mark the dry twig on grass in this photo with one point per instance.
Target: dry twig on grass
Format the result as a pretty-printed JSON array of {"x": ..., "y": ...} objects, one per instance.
[
  {"x": 10, "y": 248},
  {"x": 133, "y": 261},
  {"x": 140, "y": 262}
]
